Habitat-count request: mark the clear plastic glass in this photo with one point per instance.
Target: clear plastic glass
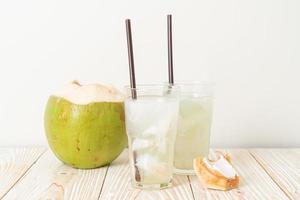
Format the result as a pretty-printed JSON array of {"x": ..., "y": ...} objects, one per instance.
[
  {"x": 151, "y": 124},
  {"x": 194, "y": 124}
]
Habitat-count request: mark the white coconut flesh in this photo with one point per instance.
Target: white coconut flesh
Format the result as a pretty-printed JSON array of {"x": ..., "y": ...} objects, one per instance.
[
  {"x": 86, "y": 94},
  {"x": 222, "y": 166}
]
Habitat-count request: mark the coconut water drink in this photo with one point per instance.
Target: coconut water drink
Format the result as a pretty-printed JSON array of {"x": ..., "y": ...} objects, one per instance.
[
  {"x": 193, "y": 134},
  {"x": 194, "y": 124},
  {"x": 151, "y": 123}
]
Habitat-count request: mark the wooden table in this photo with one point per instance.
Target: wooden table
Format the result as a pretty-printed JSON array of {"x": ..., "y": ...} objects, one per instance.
[{"x": 34, "y": 173}]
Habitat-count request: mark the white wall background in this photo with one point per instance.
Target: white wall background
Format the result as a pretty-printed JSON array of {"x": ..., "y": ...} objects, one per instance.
[{"x": 251, "y": 49}]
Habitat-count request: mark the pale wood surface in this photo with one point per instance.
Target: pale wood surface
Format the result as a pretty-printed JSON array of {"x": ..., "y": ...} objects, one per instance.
[
  {"x": 29, "y": 173},
  {"x": 283, "y": 166},
  {"x": 14, "y": 162},
  {"x": 50, "y": 179},
  {"x": 254, "y": 181}
]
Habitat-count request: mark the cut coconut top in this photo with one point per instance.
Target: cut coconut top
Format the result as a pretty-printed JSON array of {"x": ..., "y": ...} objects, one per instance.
[
  {"x": 85, "y": 94},
  {"x": 221, "y": 165}
]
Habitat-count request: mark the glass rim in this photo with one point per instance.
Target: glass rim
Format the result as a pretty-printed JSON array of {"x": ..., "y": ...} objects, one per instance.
[
  {"x": 193, "y": 83},
  {"x": 145, "y": 87}
]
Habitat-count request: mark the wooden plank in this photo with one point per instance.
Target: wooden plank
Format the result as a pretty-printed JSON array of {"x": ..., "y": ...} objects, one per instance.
[
  {"x": 117, "y": 185},
  {"x": 14, "y": 162},
  {"x": 283, "y": 165},
  {"x": 255, "y": 183},
  {"x": 51, "y": 179}
]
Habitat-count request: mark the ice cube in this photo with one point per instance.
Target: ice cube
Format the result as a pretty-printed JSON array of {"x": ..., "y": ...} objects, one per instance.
[
  {"x": 153, "y": 168},
  {"x": 162, "y": 145},
  {"x": 147, "y": 118},
  {"x": 139, "y": 144},
  {"x": 152, "y": 130}
]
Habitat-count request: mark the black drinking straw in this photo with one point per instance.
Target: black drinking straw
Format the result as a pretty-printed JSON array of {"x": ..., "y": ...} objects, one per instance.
[
  {"x": 132, "y": 84},
  {"x": 170, "y": 50},
  {"x": 130, "y": 59}
]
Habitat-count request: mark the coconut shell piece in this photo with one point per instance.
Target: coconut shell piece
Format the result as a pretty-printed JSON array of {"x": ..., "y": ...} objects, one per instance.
[{"x": 217, "y": 172}]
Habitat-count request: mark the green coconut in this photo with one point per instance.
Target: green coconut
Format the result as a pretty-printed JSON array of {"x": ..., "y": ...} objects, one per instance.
[{"x": 85, "y": 125}]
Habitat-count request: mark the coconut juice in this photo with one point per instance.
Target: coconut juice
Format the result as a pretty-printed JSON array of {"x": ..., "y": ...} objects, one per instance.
[
  {"x": 151, "y": 127},
  {"x": 193, "y": 134}
]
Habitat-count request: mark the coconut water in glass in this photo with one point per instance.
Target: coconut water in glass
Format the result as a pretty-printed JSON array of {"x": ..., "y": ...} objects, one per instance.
[
  {"x": 151, "y": 122},
  {"x": 194, "y": 124}
]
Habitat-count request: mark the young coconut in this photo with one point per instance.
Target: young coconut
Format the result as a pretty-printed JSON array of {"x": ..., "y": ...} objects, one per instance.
[{"x": 85, "y": 125}]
